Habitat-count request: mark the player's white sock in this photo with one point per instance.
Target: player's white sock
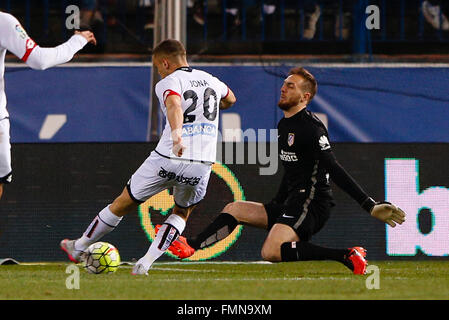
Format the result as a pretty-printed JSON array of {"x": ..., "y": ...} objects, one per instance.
[
  {"x": 168, "y": 232},
  {"x": 103, "y": 223}
]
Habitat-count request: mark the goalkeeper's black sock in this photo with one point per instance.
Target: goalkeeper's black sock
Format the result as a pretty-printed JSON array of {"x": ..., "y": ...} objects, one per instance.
[
  {"x": 219, "y": 229},
  {"x": 303, "y": 251}
]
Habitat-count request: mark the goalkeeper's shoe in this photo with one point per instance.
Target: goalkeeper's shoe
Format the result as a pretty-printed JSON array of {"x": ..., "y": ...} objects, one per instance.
[
  {"x": 68, "y": 246},
  {"x": 179, "y": 247},
  {"x": 361, "y": 250},
  {"x": 355, "y": 260}
]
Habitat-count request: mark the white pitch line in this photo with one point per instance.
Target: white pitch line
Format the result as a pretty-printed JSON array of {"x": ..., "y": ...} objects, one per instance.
[
  {"x": 185, "y": 270},
  {"x": 126, "y": 263},
  {"x": 250, "y": 279},
  {"x": 42, "y": 263},
  {"x": 213, "y": 262},
  {"x": 193, "y": 263}
]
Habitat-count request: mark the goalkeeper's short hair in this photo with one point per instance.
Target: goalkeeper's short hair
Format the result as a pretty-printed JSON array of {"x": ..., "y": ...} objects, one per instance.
[{"x": 310, "y": 83}]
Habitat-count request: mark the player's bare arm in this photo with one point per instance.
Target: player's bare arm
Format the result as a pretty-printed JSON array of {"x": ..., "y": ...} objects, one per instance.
[
  {"x": 228, "y": 101},
  {"x": 175, "y": 117}
]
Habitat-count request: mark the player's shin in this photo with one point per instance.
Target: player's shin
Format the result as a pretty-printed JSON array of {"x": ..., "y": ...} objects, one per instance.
[
  {"x": 219, "y": 229},
  {"x": 168, "y": 232},
  {"x": 103, "y": 223}
]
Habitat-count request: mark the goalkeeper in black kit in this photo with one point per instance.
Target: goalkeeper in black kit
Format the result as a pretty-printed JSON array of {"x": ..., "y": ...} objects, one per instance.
[{"x": 304, "y": 201}]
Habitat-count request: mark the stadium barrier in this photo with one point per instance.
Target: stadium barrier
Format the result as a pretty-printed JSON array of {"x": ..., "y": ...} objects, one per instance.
[
  {"x": 58, "y": 189},
  {"x": 341, "y": 23},
  {"x": 110, "y": 102}
]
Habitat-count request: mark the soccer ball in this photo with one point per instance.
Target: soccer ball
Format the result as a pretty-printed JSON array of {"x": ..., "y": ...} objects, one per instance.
[{"x": 102, "y": 257}]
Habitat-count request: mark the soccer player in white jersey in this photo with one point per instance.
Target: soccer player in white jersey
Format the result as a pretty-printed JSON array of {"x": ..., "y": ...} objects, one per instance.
[
  {"x": 14, "y": 38},
  {"x": 190, "y": 99}
]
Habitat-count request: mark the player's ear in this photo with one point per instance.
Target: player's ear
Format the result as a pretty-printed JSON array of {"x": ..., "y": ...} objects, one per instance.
[
  {"x": 165, "y": 63},
  {"x": 307, "y": 96}
]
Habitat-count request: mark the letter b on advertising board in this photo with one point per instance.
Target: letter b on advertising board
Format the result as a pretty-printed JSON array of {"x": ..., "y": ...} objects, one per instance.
[{"x": 402, "y": 188}]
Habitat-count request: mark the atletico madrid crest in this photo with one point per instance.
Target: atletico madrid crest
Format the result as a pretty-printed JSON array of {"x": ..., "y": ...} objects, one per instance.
[{"x": 291, "y": 139}]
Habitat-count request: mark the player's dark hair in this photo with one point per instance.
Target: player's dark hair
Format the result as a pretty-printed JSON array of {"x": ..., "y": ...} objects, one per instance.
[
  {"x": 170, "y": 47},
  {"x": 310, "y": 83}
]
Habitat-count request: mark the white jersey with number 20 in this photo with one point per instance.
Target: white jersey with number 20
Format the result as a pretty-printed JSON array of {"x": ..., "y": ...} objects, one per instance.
[{"x": 200, "y": 94}]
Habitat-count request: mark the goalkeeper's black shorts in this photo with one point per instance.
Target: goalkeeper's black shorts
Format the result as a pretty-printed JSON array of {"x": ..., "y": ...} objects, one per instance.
[{"x": 305, "y": 215}]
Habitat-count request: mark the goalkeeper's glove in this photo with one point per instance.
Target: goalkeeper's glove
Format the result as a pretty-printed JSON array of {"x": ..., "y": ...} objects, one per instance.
[{"x": 388, "y": 213}]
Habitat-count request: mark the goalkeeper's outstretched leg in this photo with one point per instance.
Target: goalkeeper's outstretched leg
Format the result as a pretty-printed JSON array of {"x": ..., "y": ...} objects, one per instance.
[{"x": 283, "y": 242}]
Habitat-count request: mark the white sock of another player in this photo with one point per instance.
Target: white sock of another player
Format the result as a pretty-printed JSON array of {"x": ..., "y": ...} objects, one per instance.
[
  {"x": 103, "y": 223},
  {"x": 168, "y": 232}
]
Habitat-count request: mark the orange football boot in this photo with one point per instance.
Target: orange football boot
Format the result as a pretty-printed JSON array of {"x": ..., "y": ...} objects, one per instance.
[
  {"x": 356, "y": 261},
  {"x": 179, "y": 247}
]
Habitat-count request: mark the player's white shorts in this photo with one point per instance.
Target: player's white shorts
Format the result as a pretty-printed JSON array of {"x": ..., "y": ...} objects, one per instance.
[
  {"x": 5, "y": 152},
  {"x": 188, "y": 179}
]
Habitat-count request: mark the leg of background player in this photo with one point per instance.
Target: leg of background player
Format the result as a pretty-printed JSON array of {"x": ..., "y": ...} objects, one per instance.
[
  {"x": 353, "y": 258},
  {"x": 283, "y": 244},
  {"x": 279, "y": 234},
  {"x": 233, "y": 214}
]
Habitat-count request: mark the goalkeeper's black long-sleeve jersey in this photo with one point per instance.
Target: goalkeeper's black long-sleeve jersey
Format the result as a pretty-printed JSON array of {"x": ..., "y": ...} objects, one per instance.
[{"x": 306, "y": 155}]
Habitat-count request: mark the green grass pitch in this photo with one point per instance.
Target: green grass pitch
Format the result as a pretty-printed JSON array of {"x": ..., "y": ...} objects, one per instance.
[{"x": 229, "y": 281}]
